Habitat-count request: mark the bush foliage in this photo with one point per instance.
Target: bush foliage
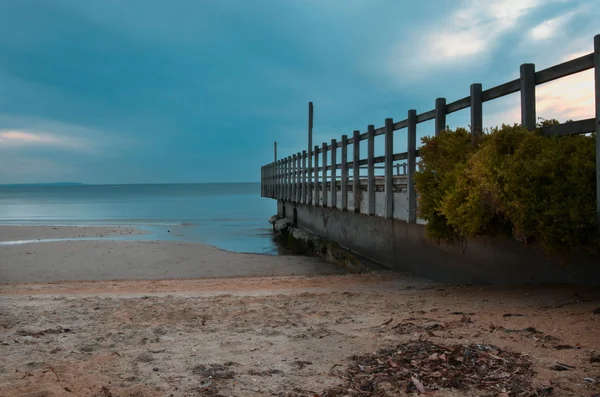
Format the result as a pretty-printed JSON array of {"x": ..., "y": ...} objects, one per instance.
[{"x": 515, "y": 182}]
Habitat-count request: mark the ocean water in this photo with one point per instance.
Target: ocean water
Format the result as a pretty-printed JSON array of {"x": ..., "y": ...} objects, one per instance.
[{"x": 231, "y": 216}]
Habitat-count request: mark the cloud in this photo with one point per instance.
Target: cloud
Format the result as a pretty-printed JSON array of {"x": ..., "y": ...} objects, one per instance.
[
  {"x": 551, "y": 27},
  {"x": 474, "y": 28},
  {"x": 21, "y": 132},
  {"x": 24, "y": 138}
]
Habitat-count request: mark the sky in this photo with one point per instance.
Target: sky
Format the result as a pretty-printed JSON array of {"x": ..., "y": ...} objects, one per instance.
[{"x": 155, "y": 91}]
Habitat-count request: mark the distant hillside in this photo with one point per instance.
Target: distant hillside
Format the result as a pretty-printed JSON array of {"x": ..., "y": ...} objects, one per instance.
[{"x": 43, "y": 184}]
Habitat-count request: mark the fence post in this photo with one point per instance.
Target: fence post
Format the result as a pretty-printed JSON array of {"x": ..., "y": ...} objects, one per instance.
[
  {"x": 597, "y": 94},
  {"x": 476, "y": 112},
  {"x": 389, "y": 172},
  {"x": 371, "y": 168},
  {"x": 344, "y": 182},
  {"x": 317, "y": 201},
  {"x": 324, "y": 182},
  {"x": 271, "y": 180},
  {"x": 356, "y": 189},
  {"x": 299, "y": 179},
  {"x": 440, "y": 115},
  {"x": 278, "y": 176},
  {"x": 304, "y": 195},
  {"x": 528, "y": 96},
  {"x": 310, "y": 154},
  {"x": 412, "y": 163},
  {"x": 288, "y": 168},
  {"x": 294, "y": 177},
  {"x": 333, "y": 173}
]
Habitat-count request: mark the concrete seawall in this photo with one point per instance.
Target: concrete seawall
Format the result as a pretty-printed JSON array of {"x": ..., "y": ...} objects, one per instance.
[{"x": 404, "y": 246}]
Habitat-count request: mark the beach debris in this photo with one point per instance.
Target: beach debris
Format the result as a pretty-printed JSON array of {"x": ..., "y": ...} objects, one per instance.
[
  {"x": 106, "y": 392},
  {"x": 422, "y": 366},
  {"x": 267, "y": 372},
  {"x": 512, "y": 315},
  {"x": 214, "y": 371},
  {"x": 466, "y": 319},
  {"x": 561, "y": 367},
  {"x": 387, "y": 322},
  {"x": 595, "y": 358},
  {"x": 592, "y": 380},
  {"x": 300, "y": 364},
  {"x": 564, "y": 347},
  {"x": 596, "y": 311},
  {"x": 145, "y": 357},
  {"x": 49, "y": 331}
]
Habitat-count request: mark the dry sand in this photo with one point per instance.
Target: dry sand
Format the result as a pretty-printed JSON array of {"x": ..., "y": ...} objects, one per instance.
[{"x": 281, "y": 336}]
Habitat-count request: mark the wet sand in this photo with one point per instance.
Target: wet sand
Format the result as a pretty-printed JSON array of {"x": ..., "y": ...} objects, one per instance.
[{"x": 141, "y": 260}]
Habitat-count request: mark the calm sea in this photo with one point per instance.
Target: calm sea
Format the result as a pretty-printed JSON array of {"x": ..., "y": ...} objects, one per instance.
[{"x": 231, "y": 216}]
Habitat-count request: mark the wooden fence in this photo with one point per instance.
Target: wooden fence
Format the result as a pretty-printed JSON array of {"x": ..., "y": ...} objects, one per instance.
[{"x": 291, "y": 179}]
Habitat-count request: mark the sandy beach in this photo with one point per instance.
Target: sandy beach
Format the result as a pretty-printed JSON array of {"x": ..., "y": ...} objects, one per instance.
[
  {"x": 303, "y": 335},
  {"x": 105, "y": 259}
]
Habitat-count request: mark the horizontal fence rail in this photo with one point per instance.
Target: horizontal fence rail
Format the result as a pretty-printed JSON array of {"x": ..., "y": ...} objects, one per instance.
[{"x": 311, "y": 177}]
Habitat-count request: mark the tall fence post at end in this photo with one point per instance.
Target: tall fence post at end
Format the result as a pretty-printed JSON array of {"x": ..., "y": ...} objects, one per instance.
[
  {"x": 356, "y": 189},
  {"x": 344, "y": 182},
  {"x": 476, "y": 112},
  {"x": 310, "y": 153},
  {"x": 597, "y": 95},
  {"x": 316, "y": 185},
  {"x": 389, "y": 171},
  {"x": 324, "y": 182},
  {"x": 275, "y": 151},
  {"x": 333, "y": 173},
  {"x": 440, "y": 115},
  {"x": 304, "y": 195},
  {"x": 371, "y": 168},
  {"x": 412, "y": 165},
  {"x": 528, "y": 96}
]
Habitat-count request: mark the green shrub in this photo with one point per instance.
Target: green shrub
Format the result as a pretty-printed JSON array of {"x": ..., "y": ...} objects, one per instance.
[{"x": 514, "y": 182}]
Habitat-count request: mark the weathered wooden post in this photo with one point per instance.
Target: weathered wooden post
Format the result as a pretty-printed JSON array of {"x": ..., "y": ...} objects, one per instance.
[
  {"x": 389, "y": 173},
  {"x": 271, "y": 180},
  {"x": 371, "y": 168},
  {"x": 299, "y": 177},
  {"x": 286, "y": 178},
  {"x": 275, "y": 150},
  {"x": 294, "y": 178},
  {"x": 310, "y": 170},
  {"x": 528, "y": 96},
  {"x": 278, "y": 179},
  {"x": 324, "y": 175},
  {"x": 344, "y": 182},
  {"x": 412, "y": 161},
  {"x": 356, "y": 189},
  {"x": 476, "y": 112},
  {"x": 304, "y": 195},
  {"x": 333, "y": 173},
  {"x": 440, "y": 115},
  {"x": 317, "y": 200},
  {"x": 597, "y": 95}
]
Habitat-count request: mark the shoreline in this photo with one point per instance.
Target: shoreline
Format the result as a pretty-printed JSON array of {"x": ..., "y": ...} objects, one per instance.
[{"x": 92, "y": 255}]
